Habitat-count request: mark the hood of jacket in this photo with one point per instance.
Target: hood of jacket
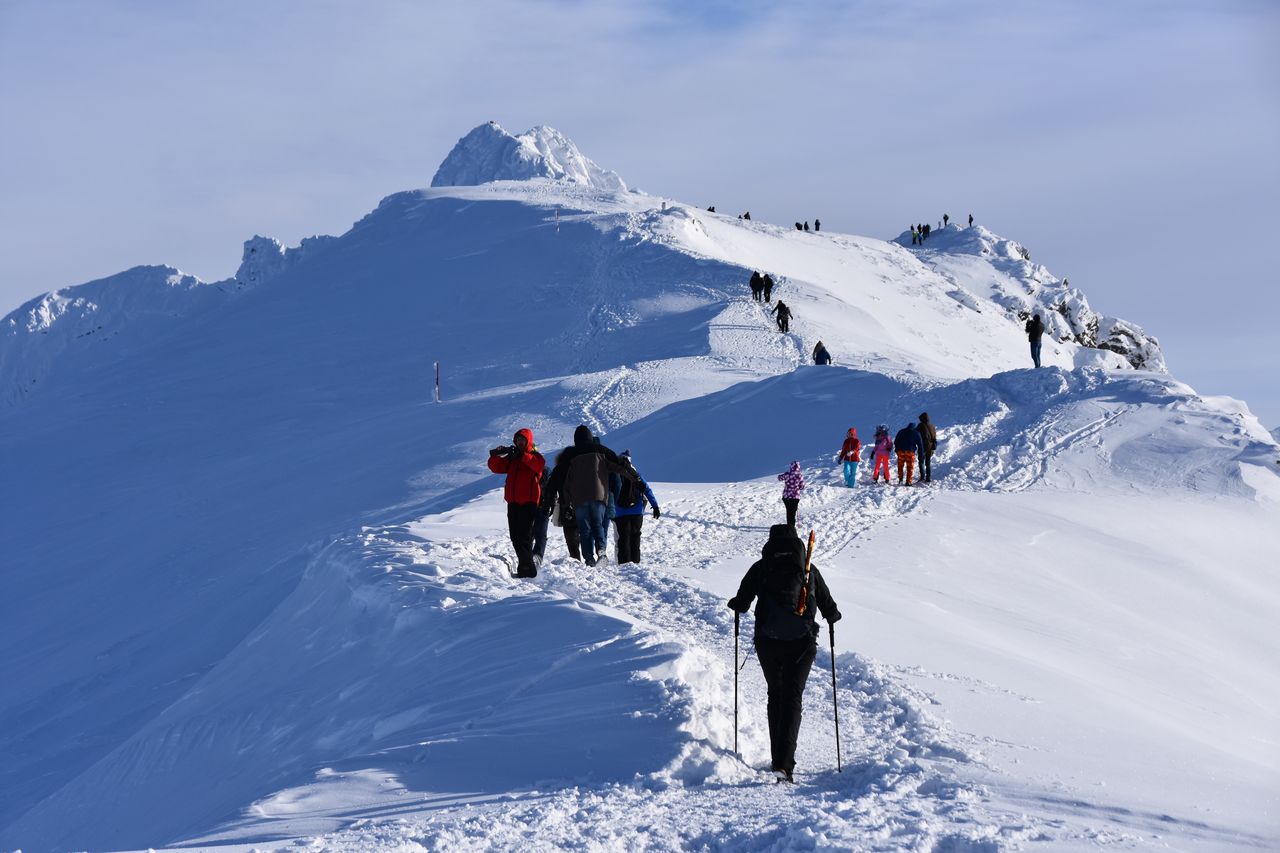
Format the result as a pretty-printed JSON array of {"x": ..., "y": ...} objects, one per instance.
[
  {"x": 583, "y": 438},
  {"x": 853, "y": 432},
  {"x": 782, "y": 542},
  {"x": 528, "y": 438}
]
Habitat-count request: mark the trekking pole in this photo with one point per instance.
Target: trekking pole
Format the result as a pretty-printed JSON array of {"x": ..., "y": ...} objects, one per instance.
[
  {"x": 736, "y": 617},
  {"x": 835, "y": 704}
]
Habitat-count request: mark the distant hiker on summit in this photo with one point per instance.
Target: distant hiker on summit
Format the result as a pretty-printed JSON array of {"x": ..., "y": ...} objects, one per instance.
[
  {"x": 523, "y": 465},
  {"x": 883, "y": 447},
  {"x": 929, "y": 439},
  {"x": 945, "y": 220},
  {"x": 906, "y": 444},
  {"x": 970, "y": 220},
  {"x": 915, "y": 236},
  {"x": 849, "y": 452},
  {"x": 817, "y": 225},
  {"x": 821, "y": 355},
  {"x": 1035, "y": 331},
  {"x": 768, "y": 287},
  {"x": 792, "y": 488},
  {"x": 629, "y": 498},
  {"x": 806, "y": 225},
  {"x": 757, "y": 286},
  {"x": 583, "y": 473},
  {"x": 784, "y": 316},
  {"x": 790, "y": 589}
]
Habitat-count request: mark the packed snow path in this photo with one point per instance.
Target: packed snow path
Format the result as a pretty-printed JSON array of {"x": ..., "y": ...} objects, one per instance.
[{"x": 898, "y": 789}]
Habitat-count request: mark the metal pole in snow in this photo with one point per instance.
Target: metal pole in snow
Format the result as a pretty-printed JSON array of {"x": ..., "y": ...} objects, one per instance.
[{"x": 437, "y": 382}]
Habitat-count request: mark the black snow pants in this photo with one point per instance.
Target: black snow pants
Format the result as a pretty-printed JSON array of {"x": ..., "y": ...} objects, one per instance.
[
  {"x": 926, "y": 466},
  {"x": 521, "y": 519},
  {"x": 786, "y": 665},
  {"x": 629, "y": 537},
  {"x": 792, "y": 504}
]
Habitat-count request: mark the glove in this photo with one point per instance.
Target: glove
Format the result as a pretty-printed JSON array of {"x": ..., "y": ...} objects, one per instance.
[
  {"x": 657, "y": 513},
  {"x": 544, "y": 506},
  {"x": 499, "y": 451},
  {"x": 736, "y": 606}
]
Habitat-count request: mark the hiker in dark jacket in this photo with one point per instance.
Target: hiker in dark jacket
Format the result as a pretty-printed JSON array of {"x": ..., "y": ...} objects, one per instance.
[
  {"x": 1035, "y": 331},
  {"x": 929, "y": 443},
  {"x": 523, "y": 465},
  {"x": 906, "y": 444},
  {"x": 784, "y": 316},
  {"x": 820, "y": 354},
  {"x": 786, "y": 642},
  {"x": 583, "y": 474},
  {"x": 768, "y": 287},
  {"x": 945, "y": 220},
  {"x": 817, "y": 225},
  {"x": 757, "y": 286},
  {"x": 562, "y": 513},
  {"x": 629, "y": 499}
]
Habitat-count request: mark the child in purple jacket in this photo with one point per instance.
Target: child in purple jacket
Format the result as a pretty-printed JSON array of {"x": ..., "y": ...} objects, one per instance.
[{"x": 792, "y": 488}]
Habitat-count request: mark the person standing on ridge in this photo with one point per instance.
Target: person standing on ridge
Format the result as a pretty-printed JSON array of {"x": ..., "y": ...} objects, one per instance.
[
  {"x": 849, "y": 453},
  {"x": 817, "y": 225},
  {"x": 629, "y": 498},
  {"x": 820, "y": 354},
  {"x": 523, "y": 465},
  {"x": 970, "y": 220},
  {"x": 583, "y": 473},
  {"x": 792, "y": 488},
  {"x": 786, "y": 641},
  {"x": 784, "y": 316},
  {"x": 768, "y": 287},
  {"x": 929, "y": 437},
  {"x": 926, "y": 230},
  {"x": 806, "y": 225},
  {"x": 880, "y": 452},
  {"x": 757, "y": 285},
  {"x": 1035, "y": 331},
  {"x": 945, "y": 220},
  {"x": 906, "y": 444},
  {"x": 915, "y": 236}
]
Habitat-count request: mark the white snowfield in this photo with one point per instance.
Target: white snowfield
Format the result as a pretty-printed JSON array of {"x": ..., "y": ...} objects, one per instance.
[{"x": 253, "y": 595}]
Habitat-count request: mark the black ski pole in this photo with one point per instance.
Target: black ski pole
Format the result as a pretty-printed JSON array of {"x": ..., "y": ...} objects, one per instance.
[
  {"x": 835, "y": 704},
  {"x": 736, "y": 617}
]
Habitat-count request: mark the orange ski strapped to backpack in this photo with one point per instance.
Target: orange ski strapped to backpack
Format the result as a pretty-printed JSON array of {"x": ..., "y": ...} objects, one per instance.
[{"x": 804, "y": 590}]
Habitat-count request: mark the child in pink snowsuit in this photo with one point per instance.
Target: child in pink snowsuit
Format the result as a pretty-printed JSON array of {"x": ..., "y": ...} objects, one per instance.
[
  {"x": 792, "y": 487},
  {"x": 883, "y": 449}
]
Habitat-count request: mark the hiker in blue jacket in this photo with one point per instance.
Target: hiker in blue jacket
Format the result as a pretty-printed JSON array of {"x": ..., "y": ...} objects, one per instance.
[{"x": 629, "y": 499}]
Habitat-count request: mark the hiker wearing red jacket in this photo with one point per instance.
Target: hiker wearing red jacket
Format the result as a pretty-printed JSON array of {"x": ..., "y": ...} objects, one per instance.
[
  {"x": 523, "y": 465},
  {"x": 849, "y": 455}
]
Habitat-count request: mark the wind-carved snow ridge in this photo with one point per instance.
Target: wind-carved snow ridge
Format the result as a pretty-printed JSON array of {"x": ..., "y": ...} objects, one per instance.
[
  {"x": 489, "y": 153},
  {"x": 1022, "y": 288},
  {"x": 265, "y": 257},
  {"x": 83, "y": 324}
]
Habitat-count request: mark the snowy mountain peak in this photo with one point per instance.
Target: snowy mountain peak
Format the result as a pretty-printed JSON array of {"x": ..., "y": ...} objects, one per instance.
[
  {"x": 490, "y": 153},
  {"x": 968, "y": 257}
]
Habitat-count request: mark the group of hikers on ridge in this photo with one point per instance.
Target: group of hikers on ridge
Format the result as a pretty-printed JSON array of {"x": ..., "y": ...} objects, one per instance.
[
  {"x": 588, "y": 486},
  {"x": 921, "y": 230}
]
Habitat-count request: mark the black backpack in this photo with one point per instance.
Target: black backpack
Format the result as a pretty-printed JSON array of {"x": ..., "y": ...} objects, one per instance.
[{"x": 631, "y": 494}]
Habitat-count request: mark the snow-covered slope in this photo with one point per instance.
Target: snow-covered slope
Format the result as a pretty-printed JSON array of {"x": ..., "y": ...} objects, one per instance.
[
  {"x": 250, "y": 588},
  {"x": 490, "y": 153}
]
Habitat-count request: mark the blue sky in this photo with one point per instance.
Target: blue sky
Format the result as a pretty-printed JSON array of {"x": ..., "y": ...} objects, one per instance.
[{"x": 1129, "y": 146}]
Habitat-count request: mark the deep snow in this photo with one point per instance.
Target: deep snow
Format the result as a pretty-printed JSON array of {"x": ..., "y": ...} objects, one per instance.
[{"x": 252, "y": 589}]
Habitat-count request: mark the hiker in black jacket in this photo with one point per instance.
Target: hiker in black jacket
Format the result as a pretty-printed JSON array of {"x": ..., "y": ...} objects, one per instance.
[
  {"x": 1035, "y": 331},
  {"x": 768, "y": 287},
  {"x": 757, "y": 285},
  {"x": 784, "y": 316},
  {"x": 786, "y": 642}
]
